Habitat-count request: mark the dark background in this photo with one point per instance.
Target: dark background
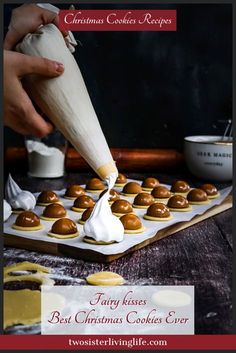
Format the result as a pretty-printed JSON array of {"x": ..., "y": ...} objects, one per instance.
[{"x": 150, "y": 89}]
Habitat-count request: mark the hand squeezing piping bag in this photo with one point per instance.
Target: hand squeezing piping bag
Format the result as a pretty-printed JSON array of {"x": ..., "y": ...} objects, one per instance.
[{"x": 65, "y": 99}]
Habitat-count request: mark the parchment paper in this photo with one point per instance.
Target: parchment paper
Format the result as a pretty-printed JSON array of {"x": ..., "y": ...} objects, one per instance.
[{"x": 129, "y": 241}]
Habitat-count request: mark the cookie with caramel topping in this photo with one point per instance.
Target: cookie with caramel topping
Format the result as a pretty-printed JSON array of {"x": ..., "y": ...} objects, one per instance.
[
  {"x": 64, "y": 228},
  {"x": 149, "y": 183},
  {"x": 121, "y": 207},
  {"x": 143, "y": 200},
  {"x": 211, "y": 190},
  {"x": 131, "y": 189},
  {"x": 180, "y": 187},
  {"x": 85, "y": 215},
  {"x": 161, "y": 193},
  {"x": 95, "y": 185},
  {"x": 53, "y": 211},
  {"x": 74, "y": 191},
  {"x": 178, "y": 203},
  {"x": 197, "y": 197},
  {"x": 82, "y": 202},
  {"x": 28, "y": 221},
  {"x": 46, "y": 197},
  {"x": 158, "y": 212},
  {"x": 121, "y": 180},
  {"x": 132, "y": 224}
]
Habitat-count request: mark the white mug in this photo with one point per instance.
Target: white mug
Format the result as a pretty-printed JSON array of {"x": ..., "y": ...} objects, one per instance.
[
  {"x": 209, "y": 157},
  {"x": 46, "y": 156}
]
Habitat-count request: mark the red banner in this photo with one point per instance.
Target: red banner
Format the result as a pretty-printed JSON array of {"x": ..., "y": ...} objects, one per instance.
[
  {"x": 119, "y": 342},
  {"x": 117, "y": 20}
]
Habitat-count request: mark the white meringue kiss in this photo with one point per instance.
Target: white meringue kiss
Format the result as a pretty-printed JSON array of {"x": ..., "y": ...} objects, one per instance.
[
  {"x": 102, "y": 225},
  {"x": 24, "y": 200},
  {"x": 18, "y": 198},
  {"x": 6, "y": 210}
]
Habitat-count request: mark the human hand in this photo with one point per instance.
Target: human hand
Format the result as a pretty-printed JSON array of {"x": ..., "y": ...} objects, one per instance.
[
  {"x": 26, "y": 19},
  {"x": 19, "y": 112}
]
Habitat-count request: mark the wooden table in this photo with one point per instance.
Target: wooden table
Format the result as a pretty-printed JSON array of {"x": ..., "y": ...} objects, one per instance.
[{"x": 200, "y": 255}]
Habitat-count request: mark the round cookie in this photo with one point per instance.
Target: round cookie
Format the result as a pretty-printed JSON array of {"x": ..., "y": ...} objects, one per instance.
[
  {"x": 82, "y": 202},
  {"x": 178, "y": 203},
  {"x": 143, "y": 200},
  {"x": 197, "y": 197},
  {"x": 74, "y": 191},
  {"x": 121, "y": 180},
  {"x": 27, "y": 221},
  {"x": 46, "y": 197},
  {"x": 180, "y": 187},
  {"x": 90, "y": 240},
  {"x": 149, "y": 183},
  {"x": 53, "y": 211},
  {"x": 158, "y": 212},
  {"x": 17, "y": 210},
  {"x": 105, "y": 278},
  {"x": 121, "y": 207},
  {"x": 131, "y": 189},
  {"x": 64, "y": 228},
  {"x": 85, "y": 215},
  {"x": 95, "y": 185},
  {"x": 114, "y": 195},
  {"x": 161, "y": 193},
  {"x": 132, "y": 224},
  {"x": 211, "y": 190}
]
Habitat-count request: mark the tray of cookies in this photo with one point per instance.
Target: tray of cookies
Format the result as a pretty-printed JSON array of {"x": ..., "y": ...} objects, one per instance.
[{"x": 149, "y": 210}]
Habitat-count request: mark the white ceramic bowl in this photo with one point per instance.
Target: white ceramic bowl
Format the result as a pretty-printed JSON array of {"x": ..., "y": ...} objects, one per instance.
[{"x": 209, "y": 157}]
